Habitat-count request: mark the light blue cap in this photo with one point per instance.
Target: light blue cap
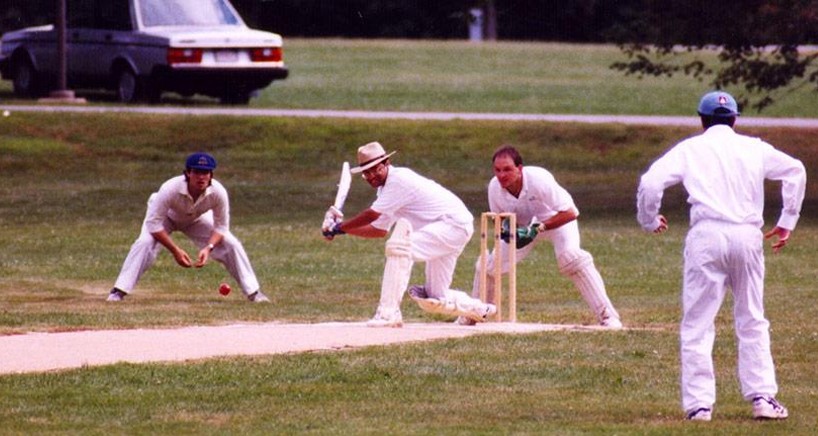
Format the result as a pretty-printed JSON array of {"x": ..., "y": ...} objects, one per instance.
[{"x": 718, "y": 104}]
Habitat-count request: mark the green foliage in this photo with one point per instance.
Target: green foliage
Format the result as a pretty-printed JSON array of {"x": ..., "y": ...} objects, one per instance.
[{"x": 763, "y": 48}]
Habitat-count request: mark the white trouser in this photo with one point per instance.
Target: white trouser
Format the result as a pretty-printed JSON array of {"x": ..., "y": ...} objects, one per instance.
[
  {"x": 229, "y": 252},
  {"x": 718, "y": 256},
  {"x": 565, "y": 240},
  {"x": 439, "y": 245}
]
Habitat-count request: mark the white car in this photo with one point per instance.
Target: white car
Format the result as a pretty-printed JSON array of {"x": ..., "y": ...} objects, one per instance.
[{"x": 141, "y": 48}]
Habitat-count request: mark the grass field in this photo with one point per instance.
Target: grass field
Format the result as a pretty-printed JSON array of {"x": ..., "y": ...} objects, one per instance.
[
  {"x": 490, "y": 77},
  {"x": 73, "y": 198}
]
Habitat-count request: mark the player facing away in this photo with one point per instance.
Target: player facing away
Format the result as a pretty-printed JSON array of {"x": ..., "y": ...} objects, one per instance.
[
  {"x": 723, "y": 173},
  {"x": 197, "y": 205},
  {"x": 429, "y": 224},
  {"x": 534, "y": 195}
]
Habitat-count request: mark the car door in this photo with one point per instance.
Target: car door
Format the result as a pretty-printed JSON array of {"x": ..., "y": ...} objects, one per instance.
[{"x": 97, "y": 31}]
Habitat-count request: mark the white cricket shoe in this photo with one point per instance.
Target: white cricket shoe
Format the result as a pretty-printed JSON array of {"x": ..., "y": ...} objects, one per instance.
[
  {"x": 482, "y": 314},
  {"x": 611, "y": 323},
  {"x": 462, "y": 320},
  {"x": 116, "y": 295},
  {"x": 418, "y": 291},
  {"x": 768, "y": 408},
  {"x": 386, "y": 318},
  {"x": 258, "y": 297},
  {"x": 700, "y": 414}
]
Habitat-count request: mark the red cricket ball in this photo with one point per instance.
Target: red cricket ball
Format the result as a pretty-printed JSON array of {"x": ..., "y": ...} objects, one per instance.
[{"x": 224, "y": 289}]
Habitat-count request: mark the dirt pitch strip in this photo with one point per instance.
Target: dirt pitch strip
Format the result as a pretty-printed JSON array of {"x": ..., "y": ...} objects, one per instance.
[{"x": 40, "y": 352}]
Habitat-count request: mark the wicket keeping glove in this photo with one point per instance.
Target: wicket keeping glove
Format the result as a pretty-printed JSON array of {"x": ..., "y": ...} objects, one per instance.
[{"x": 525, "y": 235}]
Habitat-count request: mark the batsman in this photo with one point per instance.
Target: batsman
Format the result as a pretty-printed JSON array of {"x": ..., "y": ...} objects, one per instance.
[
  {"x": 534, "y": 195},
  {"x": 429, "y": 224}
]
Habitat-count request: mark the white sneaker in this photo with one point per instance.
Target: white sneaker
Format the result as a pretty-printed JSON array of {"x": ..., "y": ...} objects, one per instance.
[
  {"x": 116, "y": 295},
  {"x": 768, "y": 408},
  {"x": 258, "y": 297},
  {"x": 700, "y": 414},
  {"x": 386, "y": 318},
  {"x": 462, "y": 320},
  {"x": 611, "y": 323},
  {"x": 417, "y": 291},
  {"x": 482, "y": 314}
]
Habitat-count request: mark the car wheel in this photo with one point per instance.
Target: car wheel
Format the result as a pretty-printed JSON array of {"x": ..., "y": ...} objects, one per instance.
[
  {"x": 236, "y": 98},
  {"x": 126, "y": 86},
  {"x": 25, "y": 83},
  {"x": 129, "y": 89}
]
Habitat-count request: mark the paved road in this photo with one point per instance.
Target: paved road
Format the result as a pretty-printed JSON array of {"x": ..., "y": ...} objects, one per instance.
[{"x": 445, "y": 116}]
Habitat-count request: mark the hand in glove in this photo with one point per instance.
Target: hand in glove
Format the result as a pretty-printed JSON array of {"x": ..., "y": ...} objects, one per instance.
[
  {"x": 525, "y": 235},
  {"x": 334, "y": 230},
  {"x": 332, "y": 217}
]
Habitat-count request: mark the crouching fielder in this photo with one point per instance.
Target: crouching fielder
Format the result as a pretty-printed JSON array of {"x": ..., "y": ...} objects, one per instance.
[
  {"x": 197, "y": 205},
  {"x": 429, "y": 224},
  {"x": 535, "y": 196}
]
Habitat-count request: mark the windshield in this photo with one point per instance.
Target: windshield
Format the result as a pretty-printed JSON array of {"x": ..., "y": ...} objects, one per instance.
[{"x": 186, "y": 13}]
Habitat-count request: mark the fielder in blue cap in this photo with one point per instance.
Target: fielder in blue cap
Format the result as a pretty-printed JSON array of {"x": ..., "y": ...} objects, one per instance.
[
  {"x": 718, "y": 104},
  {"x": 197, "y": 205},
  {"x": 723, "y": 173}
]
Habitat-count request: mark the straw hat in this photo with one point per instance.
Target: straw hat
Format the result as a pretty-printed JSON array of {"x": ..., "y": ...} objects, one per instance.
[{"x": 370, "y": 155}]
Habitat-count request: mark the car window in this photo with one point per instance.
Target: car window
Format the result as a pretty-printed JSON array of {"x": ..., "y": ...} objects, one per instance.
[
  {"x": 80, "y": 13},
  {"x": 113, "y": 15},
  {"x": 186, "y": 13},
  {"x": 99, "y": 14}
]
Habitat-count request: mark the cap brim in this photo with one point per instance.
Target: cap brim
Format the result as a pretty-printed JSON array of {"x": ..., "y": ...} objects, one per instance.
[{"x": 370, "y": 164}]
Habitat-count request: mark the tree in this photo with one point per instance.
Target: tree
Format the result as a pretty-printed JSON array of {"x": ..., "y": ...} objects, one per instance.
[
  {"x": 490, "y": 11},
  {"x": 759, "y": 45}
]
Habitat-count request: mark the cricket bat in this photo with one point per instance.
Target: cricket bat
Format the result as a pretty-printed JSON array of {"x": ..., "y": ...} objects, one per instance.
[{"x": 343, "y": 187}]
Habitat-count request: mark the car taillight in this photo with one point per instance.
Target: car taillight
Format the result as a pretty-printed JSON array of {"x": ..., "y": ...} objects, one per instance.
[
  {"x": 266, "y": 54},
  {"x": 184, "y": 55}
]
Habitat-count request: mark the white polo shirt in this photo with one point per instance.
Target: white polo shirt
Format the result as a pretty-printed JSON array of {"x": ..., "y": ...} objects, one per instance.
[
  {"x": 174, "y": 202},
  {"x": 421, "y": 201},
  {"x": 723, "y": 173},
  {"x": 541, "y": 196}
]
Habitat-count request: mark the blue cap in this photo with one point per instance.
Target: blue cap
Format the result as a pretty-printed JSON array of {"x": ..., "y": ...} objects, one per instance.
[
  {"x": 718, "y": 104},
  {"x": 200, "y": 161}
]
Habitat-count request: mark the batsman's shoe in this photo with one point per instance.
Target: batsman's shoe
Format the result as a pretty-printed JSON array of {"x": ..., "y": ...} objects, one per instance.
[
  {"x": 258, "y": 297},
  {"x": 482, "y": 314},
  {"x": 116, "y": 295},
  {"x": 417, "y": 291},
  {"x": 612, "y": 323},
  {"x": 768, "y": 408},
  {"x": 462, "y": 320},
  {"x": 700, "y": 414},
  {"x": 386, "y": 318}
]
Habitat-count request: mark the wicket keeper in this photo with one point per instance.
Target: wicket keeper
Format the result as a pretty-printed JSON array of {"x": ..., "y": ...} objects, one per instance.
[{"x": 534, "y": 195}]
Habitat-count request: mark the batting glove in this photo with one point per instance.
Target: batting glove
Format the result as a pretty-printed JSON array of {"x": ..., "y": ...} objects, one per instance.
[
  {"x": 332, "y": 217},
  {"x": 334, "y": 230}
]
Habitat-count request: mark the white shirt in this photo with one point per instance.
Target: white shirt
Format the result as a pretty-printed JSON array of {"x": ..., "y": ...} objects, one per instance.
[
  {"x": 723, "y": 173},
  {"x": 541, "y": 196},
  {"x": 421, "y": 201},
  {"x": 173, "y": 201}
]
